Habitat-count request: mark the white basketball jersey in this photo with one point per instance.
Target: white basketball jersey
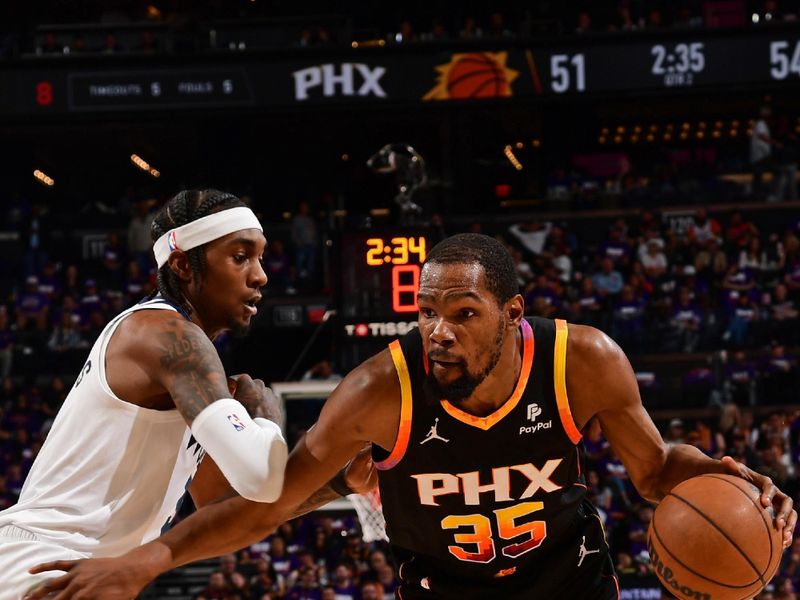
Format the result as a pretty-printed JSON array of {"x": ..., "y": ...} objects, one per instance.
[{"x": 110, "y": 475}]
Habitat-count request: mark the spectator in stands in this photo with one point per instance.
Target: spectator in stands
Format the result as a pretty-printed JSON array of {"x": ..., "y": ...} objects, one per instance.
[
  {"x": 686, "y": 321},
  {"x": 278, "y": 269},
  {"x": 34, "y": 236},
  {"x": 753, "y": 258},
  {"x": 584, "y": 24},
  {"x": 139, "y": 243},
  {"x": 654, "y": 261},
  {"x": 343, "y": 583},
  {"x": 304, "y": 238},
  {"x": 703, "y": 228},
  {"x": 637, "y": 529},
  {"x": 71, "y": 283},
  {"x": 282, "y": 562},
  {"x": 135, "y": 285},
  {"x": 7, "y": 342},
  {"x": 761, "y": 145},
  {"x": 524, "y": 270},
  {"x": 779, "y": 376},
  {"x": 741, "y": 317},
  {"x": 470, "y": 29},
  {"x": 307, "y": 587},
  {"x": 264, "y": 582},
  {"x": 388, "y": 581},
  {"x": 675, "y": 432},
  {"x": 49, "y": 283},
  {"x": 617, "y": 247},
  {"x": 608, "y": 281},
  {"x": 32, "y": 307},
  {"x": 711, "y": 263},
  {"x": 782, "y": 315},
  {"x": 405, "y": 33},
  {"x": 371, "y": 590},
  {"x": 217, "y": 588},
  {"x": 628, "y": 320},
  {"x": 66, "y": 335},
  {"x": 497, "y": 26},
  {"x": 792, "y": 274},
  {"x": 739, "y": 231},
  {"x": 321, "y": 371},
  {"x": 740, "y": 380}
]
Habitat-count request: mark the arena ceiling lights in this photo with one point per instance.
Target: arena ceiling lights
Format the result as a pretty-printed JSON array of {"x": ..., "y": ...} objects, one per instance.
[{"x": 145, "y": 166}]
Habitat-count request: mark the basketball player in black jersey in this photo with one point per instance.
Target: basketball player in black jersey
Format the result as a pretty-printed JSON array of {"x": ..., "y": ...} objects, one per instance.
[{"x": 475, "y": 422}]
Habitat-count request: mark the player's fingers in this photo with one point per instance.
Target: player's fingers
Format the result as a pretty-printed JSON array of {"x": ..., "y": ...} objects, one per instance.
[
  {"x": 783, "y": 505},
  {"x": 55, "y": 565},
  {"x": 788, "y": 531},
  {"x": 46, "y": 588}
]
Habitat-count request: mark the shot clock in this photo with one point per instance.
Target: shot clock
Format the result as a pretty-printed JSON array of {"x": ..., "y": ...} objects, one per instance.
[{"x": 378, "y": 273}]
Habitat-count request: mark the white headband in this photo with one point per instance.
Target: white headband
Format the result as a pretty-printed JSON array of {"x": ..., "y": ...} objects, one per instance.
[{"x": 204, "y": 230}]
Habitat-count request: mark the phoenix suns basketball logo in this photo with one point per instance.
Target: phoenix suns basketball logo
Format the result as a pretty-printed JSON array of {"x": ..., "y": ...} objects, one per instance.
[{"x": 474, "y": 75}]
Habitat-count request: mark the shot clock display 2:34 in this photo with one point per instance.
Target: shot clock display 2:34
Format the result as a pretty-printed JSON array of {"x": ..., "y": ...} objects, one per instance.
[
  {"x": 398, "y": 251},
  {"x": 380, "y": 274}
]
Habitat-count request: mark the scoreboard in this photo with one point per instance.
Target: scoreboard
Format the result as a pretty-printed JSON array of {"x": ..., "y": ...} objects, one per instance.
[
  {"x": 643, "y": 62},
  {"x": 378, "y": 280}
]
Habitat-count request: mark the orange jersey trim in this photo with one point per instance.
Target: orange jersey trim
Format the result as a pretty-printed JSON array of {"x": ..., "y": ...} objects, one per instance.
[
  {"x": 487, "y": 422},
  {"x": 404, "y": 429},
  {"x": 559, "y": 375}
]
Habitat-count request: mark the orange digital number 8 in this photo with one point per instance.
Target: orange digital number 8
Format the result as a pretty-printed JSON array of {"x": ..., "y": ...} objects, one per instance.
[
  {"x": 404, "y": 295},
  {"x": 506, "y": 527}
]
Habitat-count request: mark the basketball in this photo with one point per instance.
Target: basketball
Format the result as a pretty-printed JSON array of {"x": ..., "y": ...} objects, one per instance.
[
  {"x": 476, "y": 76},
  {"x": 711, "y": 538}
]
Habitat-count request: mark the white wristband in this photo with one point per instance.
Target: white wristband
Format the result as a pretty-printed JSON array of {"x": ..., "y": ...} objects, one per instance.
[{"x": 250, "y": 453}]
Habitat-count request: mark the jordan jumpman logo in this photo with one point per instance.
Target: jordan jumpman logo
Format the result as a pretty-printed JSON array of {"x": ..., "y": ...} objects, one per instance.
[
  {"x": 433, "y": 435},
  {"x": 583, "y": 552}
]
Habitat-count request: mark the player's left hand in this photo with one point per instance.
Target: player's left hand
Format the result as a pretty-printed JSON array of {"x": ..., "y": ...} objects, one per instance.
[
  {"x": 785, "y": 515},
  {"x": 361, "y": 476},
  {"x": 106, "y": 578}
]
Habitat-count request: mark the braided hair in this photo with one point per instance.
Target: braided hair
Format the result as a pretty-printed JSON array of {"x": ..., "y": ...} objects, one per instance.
[{"x": 183, "y": 208}]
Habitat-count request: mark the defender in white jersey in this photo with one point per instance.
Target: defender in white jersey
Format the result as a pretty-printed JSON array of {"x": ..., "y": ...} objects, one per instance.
[{"x": 150, "y": 401}]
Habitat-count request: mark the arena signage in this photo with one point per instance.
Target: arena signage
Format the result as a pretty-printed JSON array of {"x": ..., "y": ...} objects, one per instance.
[{"x": 690, "y": 60}]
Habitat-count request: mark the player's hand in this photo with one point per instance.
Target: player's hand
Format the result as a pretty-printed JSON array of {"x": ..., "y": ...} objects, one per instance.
[
  {"x": 106, "y": 578},
  {"x": 785, "y": 515},
  {"x": 256, "y": 397},
  {"x": 361, "y": 476}
]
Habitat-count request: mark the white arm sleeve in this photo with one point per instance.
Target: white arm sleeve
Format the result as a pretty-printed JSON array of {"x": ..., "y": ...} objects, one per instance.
[{"x": 251, "y": 453}]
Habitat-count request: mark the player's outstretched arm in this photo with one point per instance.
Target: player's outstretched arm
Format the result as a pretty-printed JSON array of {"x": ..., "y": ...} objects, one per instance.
[
  {"x": 364, "y": 408},
  {"x": 600, "y": 381}
]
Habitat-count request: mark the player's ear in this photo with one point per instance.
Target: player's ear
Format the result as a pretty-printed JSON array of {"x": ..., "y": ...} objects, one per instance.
[
  {"x": 179, "y": 263},
  {"x": 515, "y": 309}
]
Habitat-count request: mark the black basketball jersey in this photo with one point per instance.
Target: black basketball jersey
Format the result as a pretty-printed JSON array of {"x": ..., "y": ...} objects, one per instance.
[{"x": 474, "y": 503}]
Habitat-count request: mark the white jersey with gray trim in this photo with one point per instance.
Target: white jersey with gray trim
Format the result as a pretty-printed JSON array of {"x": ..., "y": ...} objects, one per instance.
[{"x": 110, "y": 475}]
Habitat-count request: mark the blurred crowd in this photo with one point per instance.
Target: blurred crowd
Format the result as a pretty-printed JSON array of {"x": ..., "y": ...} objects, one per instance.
[
  {"x": 164, "y": 27},
  {"x": 700, "y": 284}
]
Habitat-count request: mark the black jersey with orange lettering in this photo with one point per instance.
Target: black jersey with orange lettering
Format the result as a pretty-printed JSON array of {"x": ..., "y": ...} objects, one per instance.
[{"x": 476, "y": 504}]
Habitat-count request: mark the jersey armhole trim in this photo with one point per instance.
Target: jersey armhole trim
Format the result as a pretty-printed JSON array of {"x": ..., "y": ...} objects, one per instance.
[
  {"x": 404, "y": 429},
  {"x": 560, "y": 379}
]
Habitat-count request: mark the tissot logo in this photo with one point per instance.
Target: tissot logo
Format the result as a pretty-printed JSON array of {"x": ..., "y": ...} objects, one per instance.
[
  {"x": 346, "y": 79},
  {"x": 388, "y": 329}
]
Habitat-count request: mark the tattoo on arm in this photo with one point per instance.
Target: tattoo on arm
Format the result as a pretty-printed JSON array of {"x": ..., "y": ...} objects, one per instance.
[
  {"x": 319, "y": 498},
  {"x": 193, "y": 372}
]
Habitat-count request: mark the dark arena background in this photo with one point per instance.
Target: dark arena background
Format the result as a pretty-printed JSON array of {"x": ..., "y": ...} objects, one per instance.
[{"x": 639, "y": 159}]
